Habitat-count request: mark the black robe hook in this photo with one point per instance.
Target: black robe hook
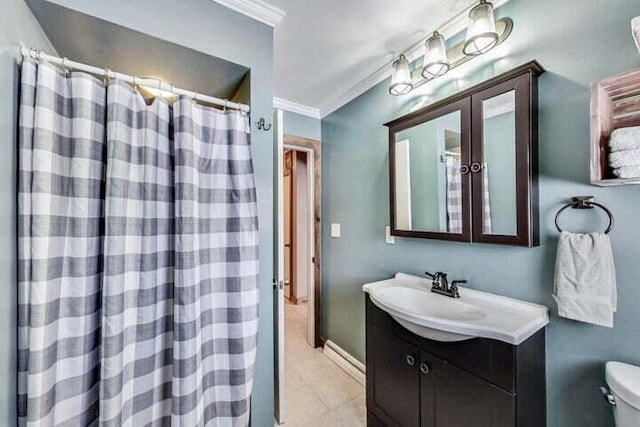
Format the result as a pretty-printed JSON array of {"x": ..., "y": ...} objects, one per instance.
[{"x": 262, "y": 124}]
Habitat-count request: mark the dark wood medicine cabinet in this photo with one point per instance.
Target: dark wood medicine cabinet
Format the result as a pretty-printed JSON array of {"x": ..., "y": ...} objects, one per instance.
[{"x": 466, "y": 168}]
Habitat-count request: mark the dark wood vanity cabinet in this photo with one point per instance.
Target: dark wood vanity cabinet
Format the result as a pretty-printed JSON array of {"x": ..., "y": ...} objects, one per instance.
[{"x": 416, "y": 382}]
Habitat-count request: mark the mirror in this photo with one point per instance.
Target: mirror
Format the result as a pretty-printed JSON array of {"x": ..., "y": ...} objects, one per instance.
[
  {"x": 499, "y": 169},
  {"x": 428, "y": 194}
]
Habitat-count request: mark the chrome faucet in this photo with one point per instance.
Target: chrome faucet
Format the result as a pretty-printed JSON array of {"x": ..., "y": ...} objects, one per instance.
[{"x": 440, "y": 284}]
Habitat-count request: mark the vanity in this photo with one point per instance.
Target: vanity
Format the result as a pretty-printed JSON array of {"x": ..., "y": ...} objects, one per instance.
[{"x": 436, "y": 361}]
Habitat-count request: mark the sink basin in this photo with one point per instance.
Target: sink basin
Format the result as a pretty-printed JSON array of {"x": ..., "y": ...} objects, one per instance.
[{"x": 410, "y": 302}]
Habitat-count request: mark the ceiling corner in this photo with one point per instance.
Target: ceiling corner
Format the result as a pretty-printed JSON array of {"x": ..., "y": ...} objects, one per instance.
[
  {"x": 294, "y": 107},
  {"x": 450, "y": 28},
  {"x": 255, "y": 9}
]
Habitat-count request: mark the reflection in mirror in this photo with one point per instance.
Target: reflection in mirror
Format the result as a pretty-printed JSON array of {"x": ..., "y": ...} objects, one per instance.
[
  {"x": 428, "y": 193},
  {"x": 499, "y": 169}
]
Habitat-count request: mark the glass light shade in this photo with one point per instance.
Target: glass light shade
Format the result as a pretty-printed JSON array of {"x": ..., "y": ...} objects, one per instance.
[
  {"x": 435, "y": 57},
  {"x": 401, "y": 80},
  {"x": 635, "y": 28},
  {"x": 481, "y": 32}
]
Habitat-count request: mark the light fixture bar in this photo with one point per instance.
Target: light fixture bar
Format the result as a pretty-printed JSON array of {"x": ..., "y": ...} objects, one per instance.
[{"x": 504, "y": 26}]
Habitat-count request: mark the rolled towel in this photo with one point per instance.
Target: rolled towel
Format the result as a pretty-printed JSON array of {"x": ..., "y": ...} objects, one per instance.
[
  {"x": 625, "y": 139},
  {"x": 627, "y": 172},
  {"x": 619, "y": 159}
]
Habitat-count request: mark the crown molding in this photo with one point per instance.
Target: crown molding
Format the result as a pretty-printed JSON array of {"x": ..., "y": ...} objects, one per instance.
[
  {"x": 256, "y": 9},
  {"x": 449, "y": 29},
  {"x": 294, "y": 107}
]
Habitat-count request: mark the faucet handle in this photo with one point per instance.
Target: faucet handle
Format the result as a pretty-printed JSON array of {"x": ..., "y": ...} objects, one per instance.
[
  {"x": 436, "y": 275},
  {"x": 455, "y": 292}
]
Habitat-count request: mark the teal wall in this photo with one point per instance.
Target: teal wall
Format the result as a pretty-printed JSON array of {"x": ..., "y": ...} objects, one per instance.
[
  {"x": 17, "y": 25},
  {"x": 304, "y": 126},
  {"x": 423, "y": 175},
  {"x": 577, "y": 42},
  {"x": 500, "y": 155},
  {"x": 207, "y": 27}
]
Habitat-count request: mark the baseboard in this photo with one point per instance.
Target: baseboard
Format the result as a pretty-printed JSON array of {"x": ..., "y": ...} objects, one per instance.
[{"x": 344, "y": 360}]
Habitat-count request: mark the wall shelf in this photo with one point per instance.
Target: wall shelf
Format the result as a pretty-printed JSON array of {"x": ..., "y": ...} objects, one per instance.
[{"x": 615, "y": 103}]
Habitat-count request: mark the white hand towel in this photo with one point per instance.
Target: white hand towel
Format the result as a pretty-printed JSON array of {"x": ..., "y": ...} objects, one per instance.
[
  {"x": 585, "y": 279},
  {"x": 618, "y": 159},
  {"x": 625, "y": 139},
  {"x": 627, "y": 172}
]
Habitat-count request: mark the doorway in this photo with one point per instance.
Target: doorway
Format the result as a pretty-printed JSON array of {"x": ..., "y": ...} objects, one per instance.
[
  {"x": 297, "y": 283},
  {"x": 300, "y": 207}
]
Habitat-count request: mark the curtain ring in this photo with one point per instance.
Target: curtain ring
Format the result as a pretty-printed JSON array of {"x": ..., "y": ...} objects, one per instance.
[
  {"x": 224, "y": 108},
  {"x": 67, "y": 72},
  {"x": 107, "y": 74},
  {"x": 195, "y": 97},
  {"x": 135, "y": 83}
]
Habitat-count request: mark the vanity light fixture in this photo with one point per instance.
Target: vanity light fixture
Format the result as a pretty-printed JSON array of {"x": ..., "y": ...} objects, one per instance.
[
  {"x": 401, "y": 82},
  {"x": 483, "y": 33},
  {"x": 435, "y": 57}
]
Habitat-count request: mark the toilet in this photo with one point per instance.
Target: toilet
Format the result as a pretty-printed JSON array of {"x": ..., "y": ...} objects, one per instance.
[{"x": 624, "y": 384}]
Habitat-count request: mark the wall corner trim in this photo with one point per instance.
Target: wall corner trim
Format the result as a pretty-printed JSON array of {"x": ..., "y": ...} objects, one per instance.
[
  {"x": 256, "y": 9},
  {"x": 294, "y": 107}
]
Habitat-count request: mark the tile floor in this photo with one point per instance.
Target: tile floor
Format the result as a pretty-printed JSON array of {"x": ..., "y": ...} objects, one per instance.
[{"x": 317, "y": 392}]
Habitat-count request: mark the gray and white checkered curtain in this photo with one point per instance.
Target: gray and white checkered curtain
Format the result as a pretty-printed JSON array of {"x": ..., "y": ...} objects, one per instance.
[
  {"x": 137, "y": 291},
  {"x": 60, "y": 206},
  {"x": 454, "y": 197},
  {"x": 486, "y": 200},
  {"x": 138, "y": 258}
]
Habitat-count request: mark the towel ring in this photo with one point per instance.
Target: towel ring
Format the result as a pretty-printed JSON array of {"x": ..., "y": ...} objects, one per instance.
[{"x": 585, "y": 202}]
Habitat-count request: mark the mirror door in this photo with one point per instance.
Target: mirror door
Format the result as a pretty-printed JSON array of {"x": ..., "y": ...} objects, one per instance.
[
  {"x": 429, "y": 174},
  {"x": 501, "y": 163}
]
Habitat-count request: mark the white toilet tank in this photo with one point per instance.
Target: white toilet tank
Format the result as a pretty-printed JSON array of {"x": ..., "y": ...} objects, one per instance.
[{"x": 624, "y": 383}]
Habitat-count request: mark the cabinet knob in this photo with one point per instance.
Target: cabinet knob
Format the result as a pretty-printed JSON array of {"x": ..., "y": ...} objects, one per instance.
[
  {"x": 476, "y": 167},
  {"x": 464, "y": 169},
  {"x": 424, "y": 368},
  {"x": 410, "y": 360}
]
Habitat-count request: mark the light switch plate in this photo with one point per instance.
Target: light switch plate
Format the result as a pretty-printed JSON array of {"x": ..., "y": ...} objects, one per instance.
[
  {"x": 391, "y": 240},
  {"x": 335, "y": 230}
]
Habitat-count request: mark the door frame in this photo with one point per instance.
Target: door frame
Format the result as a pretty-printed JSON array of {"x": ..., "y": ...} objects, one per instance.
[
  {"x": 292, "y": 223},
  {"x": 278, "y": 268},
  {"x": 312, "y": 148}
]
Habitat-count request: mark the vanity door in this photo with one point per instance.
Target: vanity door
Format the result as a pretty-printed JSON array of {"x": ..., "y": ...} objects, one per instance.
[
  {"x": 504, "y": 163},
  {"x": 393, "y": 383},
  {"x": 452, "y": 397},
  {"x": 430, "y": 187}
]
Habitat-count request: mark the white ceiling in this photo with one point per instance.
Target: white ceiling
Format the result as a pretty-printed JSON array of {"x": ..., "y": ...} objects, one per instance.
[{"x": 324, "y": 49}]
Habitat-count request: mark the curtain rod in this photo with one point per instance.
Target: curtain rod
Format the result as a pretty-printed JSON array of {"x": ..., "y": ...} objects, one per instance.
[{"x": 39, "y": 55}]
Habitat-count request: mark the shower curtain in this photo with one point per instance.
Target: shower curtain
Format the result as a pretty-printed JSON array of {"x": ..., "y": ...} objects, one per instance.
[
  {"x": 454, "y": 196},
  {"x": 138, "y": 257}
]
